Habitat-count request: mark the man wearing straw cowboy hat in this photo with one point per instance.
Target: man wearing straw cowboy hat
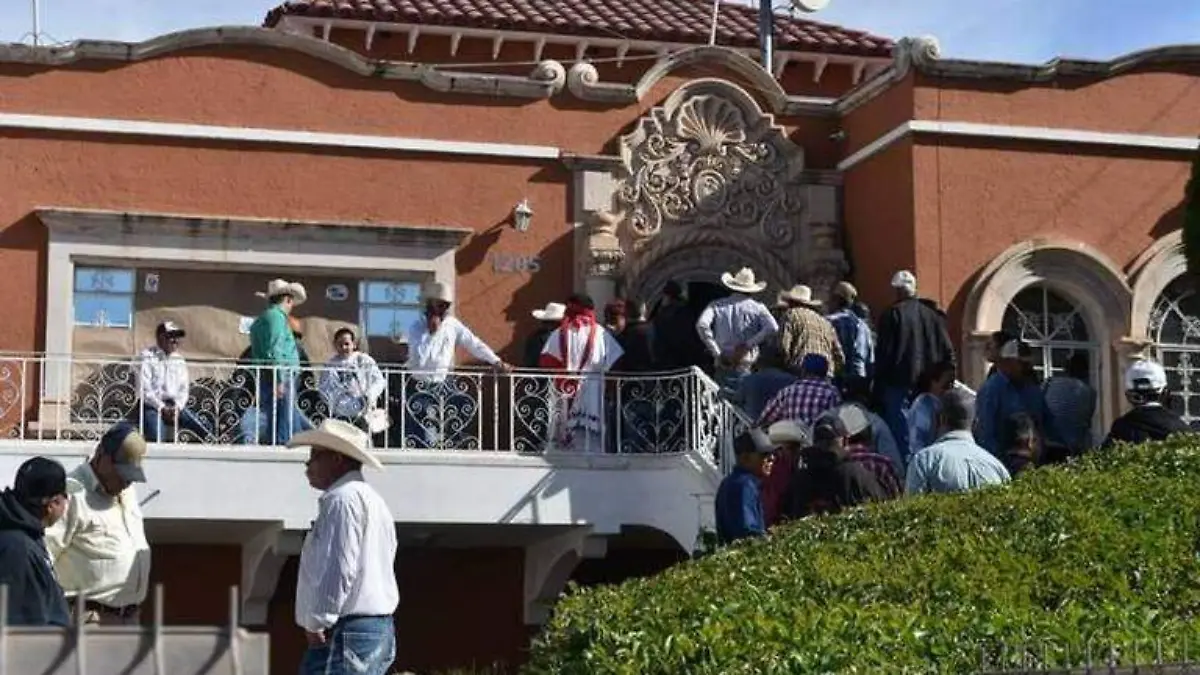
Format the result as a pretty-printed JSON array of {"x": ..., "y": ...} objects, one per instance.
[
  {"x": 732, "y": 328},
  {"x": 273, "y": 350},
  {"x": 346, "y": 592},
  {"x": 803, "y": 330}
]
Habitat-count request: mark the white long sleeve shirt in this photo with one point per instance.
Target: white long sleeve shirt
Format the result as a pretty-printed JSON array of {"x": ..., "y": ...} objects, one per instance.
[
  {"x": 735, "y": 320},
  {"x": 350, "y": 384},
  {"x": 99, "y": 546},
  {"x": 347, "y": 563},
  {"x": 431, "y": 355},
  {"x": 164, "y": 377}
]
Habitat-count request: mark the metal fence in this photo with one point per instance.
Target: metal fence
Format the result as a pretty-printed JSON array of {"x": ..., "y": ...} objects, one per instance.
[
  {"x": 53, "y": 398},
  {"x": 154, "y": 649},
  {"x": 1163, "y": 656}
]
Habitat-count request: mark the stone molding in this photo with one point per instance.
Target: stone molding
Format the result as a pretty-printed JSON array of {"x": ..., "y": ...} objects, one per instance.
[{"x": 582, "y": 80}]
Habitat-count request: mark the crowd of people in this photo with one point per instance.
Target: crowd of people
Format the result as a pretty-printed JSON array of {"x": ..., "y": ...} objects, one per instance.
[{"x": 873, "y": 413}]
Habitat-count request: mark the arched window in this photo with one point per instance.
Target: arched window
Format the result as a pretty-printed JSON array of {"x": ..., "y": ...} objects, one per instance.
[
  {"x": 1053, "y": 326},
  {"x": 1174, "y": 328}
]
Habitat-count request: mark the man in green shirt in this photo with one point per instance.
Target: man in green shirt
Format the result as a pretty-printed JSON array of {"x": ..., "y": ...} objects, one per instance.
[{"x": 275, "y": 358}]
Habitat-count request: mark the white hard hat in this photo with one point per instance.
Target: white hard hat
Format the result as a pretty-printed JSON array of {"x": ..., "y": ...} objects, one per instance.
[{"x": 1145, "y": 375}]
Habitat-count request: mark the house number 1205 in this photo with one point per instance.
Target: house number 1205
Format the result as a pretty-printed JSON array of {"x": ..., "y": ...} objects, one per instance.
[{"x": 510, "y": 263}]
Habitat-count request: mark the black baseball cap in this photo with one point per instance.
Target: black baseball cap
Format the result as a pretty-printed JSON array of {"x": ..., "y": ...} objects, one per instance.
[{"x": 40, "y": 478}]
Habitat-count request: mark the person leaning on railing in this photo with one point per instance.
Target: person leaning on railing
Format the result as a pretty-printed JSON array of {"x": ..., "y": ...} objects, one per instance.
[{"x": 432, "y": 394}]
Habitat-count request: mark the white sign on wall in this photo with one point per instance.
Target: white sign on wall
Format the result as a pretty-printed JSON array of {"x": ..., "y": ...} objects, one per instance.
[
  {"x": 151, "y": 283},
  {"x": 336, "y": 292},
  {"x": 244, "y": 324}
]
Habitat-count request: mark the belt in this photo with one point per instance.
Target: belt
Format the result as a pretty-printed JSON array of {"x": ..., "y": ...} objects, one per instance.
[{"x": 122, "y": 612}]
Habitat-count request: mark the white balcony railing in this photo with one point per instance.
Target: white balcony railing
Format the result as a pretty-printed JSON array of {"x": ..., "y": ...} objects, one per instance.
[{"x": 69, "y": 398}]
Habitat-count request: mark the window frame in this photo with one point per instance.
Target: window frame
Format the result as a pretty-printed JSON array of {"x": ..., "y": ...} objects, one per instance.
[{"x": 77, "y": 293}]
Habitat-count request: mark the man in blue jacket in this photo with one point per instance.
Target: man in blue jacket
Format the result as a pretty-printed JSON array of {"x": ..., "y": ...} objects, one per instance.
[
  {"x": 739, "y": 507},
  {"x": 36, "y": 501}
]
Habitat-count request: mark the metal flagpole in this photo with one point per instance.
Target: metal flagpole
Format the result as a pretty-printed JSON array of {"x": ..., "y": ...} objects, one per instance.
[
  {"x": 37, "y": 22},
  {"x": 766, "y": 33}
]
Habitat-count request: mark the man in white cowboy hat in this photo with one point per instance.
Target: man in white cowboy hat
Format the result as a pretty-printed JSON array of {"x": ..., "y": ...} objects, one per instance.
[
  {"x": 803, "y": 330},
  {"x": 433, "y": 341},
  {"x": 346, "y": 592},
  {"x": 276, "y": 357},
  {"x": 732, "y": 328}
]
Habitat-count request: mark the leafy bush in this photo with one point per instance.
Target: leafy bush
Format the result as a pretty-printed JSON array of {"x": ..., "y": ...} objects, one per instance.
[{"x": 1103, "y": 552}]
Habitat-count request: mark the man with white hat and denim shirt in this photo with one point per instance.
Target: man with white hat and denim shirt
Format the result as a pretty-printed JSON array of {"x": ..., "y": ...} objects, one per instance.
[
  {"x": 1149, "y": 419},
  {"x": 346, "y": 591},
  {"x": 433, "y": 341},
  {"x": 912, "y": 336}
]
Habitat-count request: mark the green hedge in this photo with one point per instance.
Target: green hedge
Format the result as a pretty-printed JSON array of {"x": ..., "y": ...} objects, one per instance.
[{"x": 1103, "y": 551}]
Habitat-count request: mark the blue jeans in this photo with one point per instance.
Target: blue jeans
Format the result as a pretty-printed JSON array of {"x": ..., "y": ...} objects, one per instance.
[
  {"x": 362, "y": 645},
  {"x": 185, "y": 420},
  {"x": 892, "y": 400},
  {"x": 274, "y": 411}
]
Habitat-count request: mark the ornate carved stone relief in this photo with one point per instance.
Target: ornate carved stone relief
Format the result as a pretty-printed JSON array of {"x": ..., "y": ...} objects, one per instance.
[{"x": 709, "y": 172}]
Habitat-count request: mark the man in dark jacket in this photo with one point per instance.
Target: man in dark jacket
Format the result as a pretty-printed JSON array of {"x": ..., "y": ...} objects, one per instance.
[
  {"x": 912, "y": 337},
  {"x": 36, "y": 501},
  {"x": 548, "y": 319},
  {"x": 676, "y": 344},
  {"x": 830, "y": 480},
  {"x": 637, "y": 339},
  {"x": 1149, "y": 419}
]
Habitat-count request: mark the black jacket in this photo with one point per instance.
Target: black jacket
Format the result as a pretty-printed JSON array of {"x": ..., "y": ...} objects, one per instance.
[
  {"x": 1146, "y": 423},
  {"x": 637, "y": 341},
  {"x": 34, "y": 596},
  {"x": 912, "y": 337},
  {"x": 534, "y": 345}
]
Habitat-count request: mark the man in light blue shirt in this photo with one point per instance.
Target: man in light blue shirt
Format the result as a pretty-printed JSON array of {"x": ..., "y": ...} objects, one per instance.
[{"x": 954, "y": 463}]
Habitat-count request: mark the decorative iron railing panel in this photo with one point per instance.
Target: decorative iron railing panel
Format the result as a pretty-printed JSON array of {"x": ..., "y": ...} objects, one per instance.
[{"x": 64, "y": 398}]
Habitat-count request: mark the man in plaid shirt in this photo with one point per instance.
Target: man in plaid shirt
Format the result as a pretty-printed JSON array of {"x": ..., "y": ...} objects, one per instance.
[{"x": 805, "y": 400}]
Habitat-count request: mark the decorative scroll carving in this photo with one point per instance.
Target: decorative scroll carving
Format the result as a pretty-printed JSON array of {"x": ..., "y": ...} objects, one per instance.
[
  {"x": 710, "y": 182},
  {"x": 711, "y": 158}
]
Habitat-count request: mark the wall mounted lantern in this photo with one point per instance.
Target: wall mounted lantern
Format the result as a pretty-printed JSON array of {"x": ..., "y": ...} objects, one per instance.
[{"x": 522, "y": 216}]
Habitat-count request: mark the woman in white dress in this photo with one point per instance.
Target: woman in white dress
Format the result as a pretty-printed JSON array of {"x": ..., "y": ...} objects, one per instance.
[
  {"x": 583, "y": 347},
  {"x": 351, "y": 382}
]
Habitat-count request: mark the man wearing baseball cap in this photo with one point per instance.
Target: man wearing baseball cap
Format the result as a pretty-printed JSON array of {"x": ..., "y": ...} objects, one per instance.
[
  {"x": 36, "y": 501},
  {"x": 1149, "y": 419},
  {"x": 166, "y": 386},
  {"x": 739, "y": 505},
  {"x": 99, "y": 547}
]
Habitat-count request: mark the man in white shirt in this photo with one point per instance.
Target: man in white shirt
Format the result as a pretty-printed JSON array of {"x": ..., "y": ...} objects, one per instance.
[
  {"x": 440, "y": 409},
  {"x": 733, "y": 328},
  {"x": 346, "y": 592},
  {"x": 99, "y": 546},
  {"x": 165, "y": 386}
]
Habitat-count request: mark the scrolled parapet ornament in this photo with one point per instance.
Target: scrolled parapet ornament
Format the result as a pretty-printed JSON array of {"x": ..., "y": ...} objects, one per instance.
[
  {"x": 551, "y": 72},
  {"x": 583, "y": 80},
  {"x": 916, "y": 51},
  {"x": 605, "y": 255}
]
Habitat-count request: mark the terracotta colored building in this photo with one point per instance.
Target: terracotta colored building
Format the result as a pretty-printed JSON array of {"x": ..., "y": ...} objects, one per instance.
[{"x": 516, "y": 152}]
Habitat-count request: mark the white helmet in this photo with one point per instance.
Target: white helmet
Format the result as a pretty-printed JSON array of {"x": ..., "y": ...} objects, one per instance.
[{"x": 1145, "y": 377}]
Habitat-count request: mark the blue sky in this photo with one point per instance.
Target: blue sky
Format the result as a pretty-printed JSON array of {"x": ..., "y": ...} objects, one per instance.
[{"x": 1007, "y": 30}]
